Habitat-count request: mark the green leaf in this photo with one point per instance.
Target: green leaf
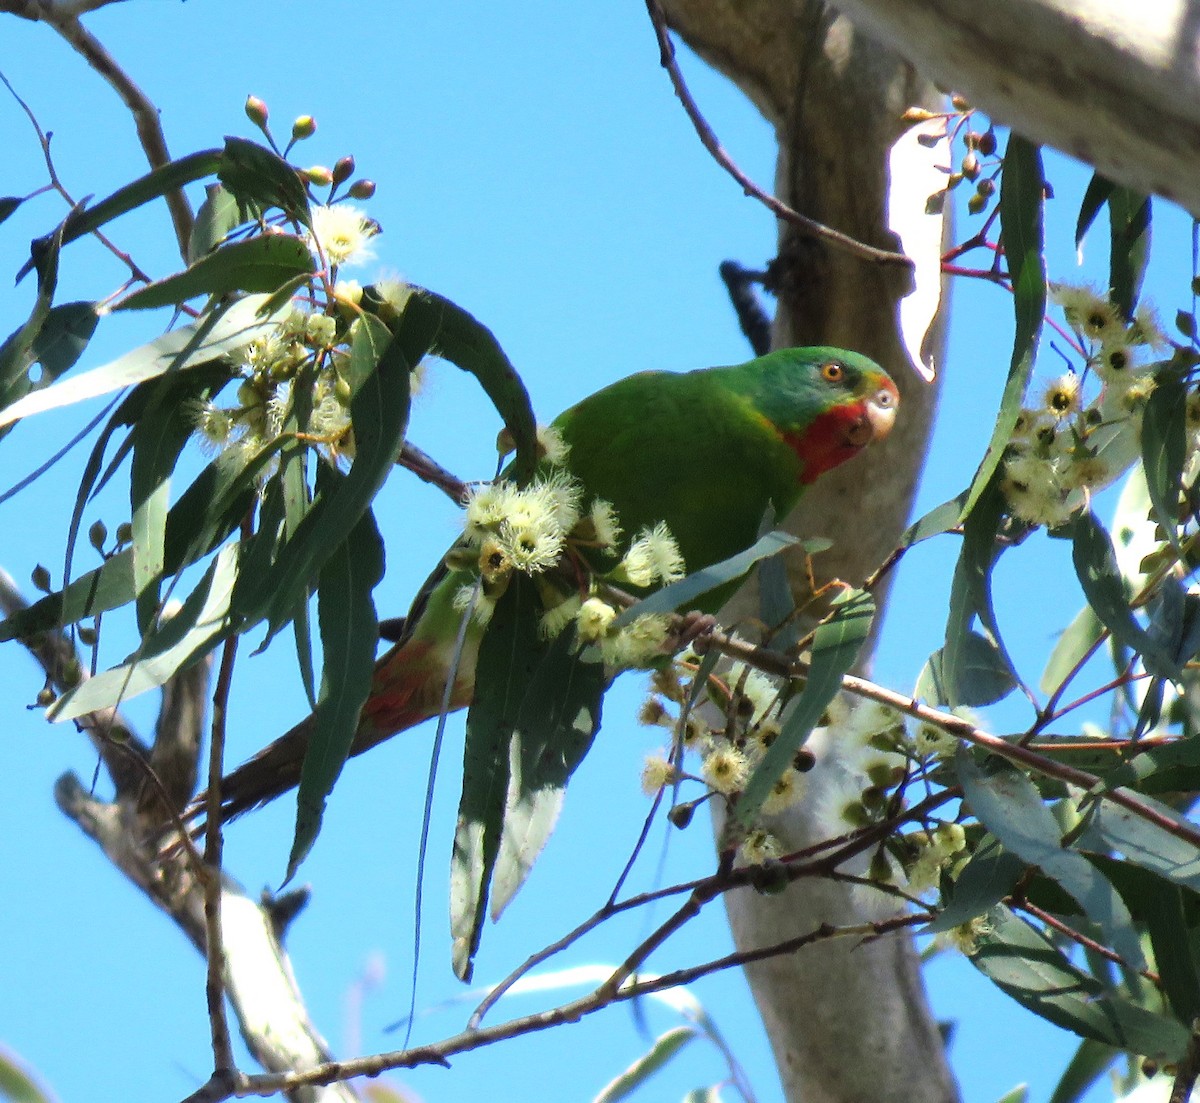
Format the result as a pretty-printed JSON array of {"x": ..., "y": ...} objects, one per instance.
[
  {"x": 468, "y": 344},
  {"x": 1129, "y": 226},
  {"x": 349, "y": 630},
  {"x": 218, "y": 215},
  {"x": 1174, "y": 961},
  {"x": 535, "y": 710},
  {"x": 16, "y": 354},
  {"x": 558, "y": 719},
  {"x": 665, "y": 1047},
  {"x": 210, "y": 337},
  {"x": 1143, "y": 842},
  {"x": 254, "y": 174},
  {"x": 1026, "y": 965},
  {"x": 259, "y": 264},
  {"x": 1079, "y": 637},
  {"x": 173, "y": 644},
  {"x": 1022, "y": 190},
  {"x": 991, "y": 873},
  {"x": 1098, "y": 190},
  {"x": 1096, "y": 567},
  {"x": 16, "y": 1084},
  {"x": 157, "y": 441},
  {"x": 63, "y": 337},
  {"x": 683, "y": 594},
  {"x": 1088, "y": 1064},
  {"x": 168, "y": 178},
  {"x": 205, "y": 515},
  {"x": 971, "y": 597},
  {"x": 1019, "y": 1094},
  {"x": 1164, "y": 449},
  {"x": 1007, "y": 803},
  {"x": 8, "y": 204},
  {"x": 836, "y": 645},
  {"x": 938, "y": 520},
  {"x": 983, "y": 674}
]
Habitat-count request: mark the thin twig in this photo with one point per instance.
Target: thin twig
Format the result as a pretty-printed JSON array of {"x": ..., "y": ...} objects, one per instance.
[
  {"x": 145, "y": 114},
  {"x": 810, "y": 226},
  {"x": 1054, "y": 923},
  {"x": 223, "y": 1063},
  {"x": 427, "y": 468},
  {"x": 57, "y": 185}
]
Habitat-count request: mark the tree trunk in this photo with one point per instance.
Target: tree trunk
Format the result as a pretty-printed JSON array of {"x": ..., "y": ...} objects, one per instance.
[{"x": 849, "y": 1023}]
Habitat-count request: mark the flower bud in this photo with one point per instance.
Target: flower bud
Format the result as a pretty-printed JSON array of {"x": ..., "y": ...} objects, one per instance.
[
  {"x": 318, "y": 175},
  {"x": 40, "y": 577},
  {"x": 305, "y": 126},
  {"x": 87, "y": 635},
  {"x": 97, "y": 534},
  {"x": 976, "y": 204},
  {"x": 343, "y": 169},
  {"x": 45, "y": 697},
  {"x": 362, "y": 189},
  {"x": 987, "y": 142},
  {"x": 970, "y": 166},
  {"x": 124, "y": 533},
  {"x": 256, "y": 111}
]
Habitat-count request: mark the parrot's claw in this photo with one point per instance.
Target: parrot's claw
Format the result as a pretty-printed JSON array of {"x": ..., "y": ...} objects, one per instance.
[{"x": 689, "y": 627}]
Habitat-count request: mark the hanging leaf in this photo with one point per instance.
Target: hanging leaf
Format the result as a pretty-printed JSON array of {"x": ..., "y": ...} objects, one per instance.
[
  {"x": 349, "y": 630},
  {"x": 836, "y": 645},
  {"x": 1079, "y": 637},
  {"x": 1096, "y": 567},
  {"x": 983, "y": 674},
  {"x": 219, "y": 214},
  {"x": 172, "y": 645},
  {"x": 467, "y": 343},
  {"x": 1090, "y": 1062},
  {"x": 1025, "y": 964},
  {"x": 1143, "y": 842},
  {"x": 1022, "y": 192},
  {"x": 209, "y": 338},
  {"x": 971, "y": 597},
  {"x": 1129, "y": 235},
  {"x": 256, "y": 175},
  {"x": 1098, "y": 190},
  {"x": 379, "y": 412},
  {"x": 665, "y": 1046},
  {"x": 260, "y": 264},
  {"x": 1008, "y": 804},
  {"x": 1171, "y": 941},
  {"x": 534, "y": 713},
  {"x": 1164, "y": 450}
]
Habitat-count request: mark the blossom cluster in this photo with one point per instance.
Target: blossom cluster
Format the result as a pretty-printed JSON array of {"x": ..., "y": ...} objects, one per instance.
[
  {"x": 1084, "y": 432},
  {"x": 534, "y": 529},
  {"x": 865, "y": 754}
]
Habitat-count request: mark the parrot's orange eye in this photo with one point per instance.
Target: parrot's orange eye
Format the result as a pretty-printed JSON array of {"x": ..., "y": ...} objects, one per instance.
[{"x": 833, "y": 372}]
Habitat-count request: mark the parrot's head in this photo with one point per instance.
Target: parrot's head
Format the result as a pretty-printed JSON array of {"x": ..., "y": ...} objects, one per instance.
[{"x": 829, "y": 404}]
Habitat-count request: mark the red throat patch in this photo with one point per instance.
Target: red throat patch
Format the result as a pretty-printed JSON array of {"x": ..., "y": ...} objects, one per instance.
[{"x": 828, "y": 441}]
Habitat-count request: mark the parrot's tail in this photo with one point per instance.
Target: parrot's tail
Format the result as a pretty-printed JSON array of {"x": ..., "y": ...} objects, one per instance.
[{"x": 409, "y": 686}]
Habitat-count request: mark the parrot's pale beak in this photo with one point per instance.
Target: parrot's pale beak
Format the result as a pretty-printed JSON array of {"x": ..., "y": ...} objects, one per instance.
[{"x": 878, "y": 417}]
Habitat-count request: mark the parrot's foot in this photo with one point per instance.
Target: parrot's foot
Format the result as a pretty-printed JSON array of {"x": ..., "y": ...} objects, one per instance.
[{"x": 689, "y": 627}]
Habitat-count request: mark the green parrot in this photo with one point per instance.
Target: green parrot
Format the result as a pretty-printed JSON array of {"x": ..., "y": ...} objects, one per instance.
[{"x": 705, "y": 452}]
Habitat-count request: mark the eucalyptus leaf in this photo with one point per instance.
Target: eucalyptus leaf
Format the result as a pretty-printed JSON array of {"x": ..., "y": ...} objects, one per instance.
[
  {"x": 174, "y": 644},
  {"x": 1164, "y": 449},
  {"x": 1079, "y": 638},
  {"x": 1087, "y": 1065},
  {"x": 836, "y": 645},
  {"x": 207, "y": 339},
  {"x": 990, "y": 874},
  {"x": 261, "y": 264},
  {"x": 1010, "y": 807},
  {"x": 349, "y": 628},
  {"x": 683, "y": 594},
  {"x": 665, "y": 1046},
  {"x": 1022, "y": 197},
  {"x": 1096, "y": 568}
]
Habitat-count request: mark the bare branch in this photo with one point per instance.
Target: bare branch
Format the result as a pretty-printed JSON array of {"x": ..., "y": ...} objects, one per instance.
[
  {"x": 64, "y": 19},
  {"x": 804, "y": 224}
]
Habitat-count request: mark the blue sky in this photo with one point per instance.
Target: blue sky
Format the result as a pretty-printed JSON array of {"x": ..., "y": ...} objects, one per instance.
[{"x": 534, "y": 166}]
